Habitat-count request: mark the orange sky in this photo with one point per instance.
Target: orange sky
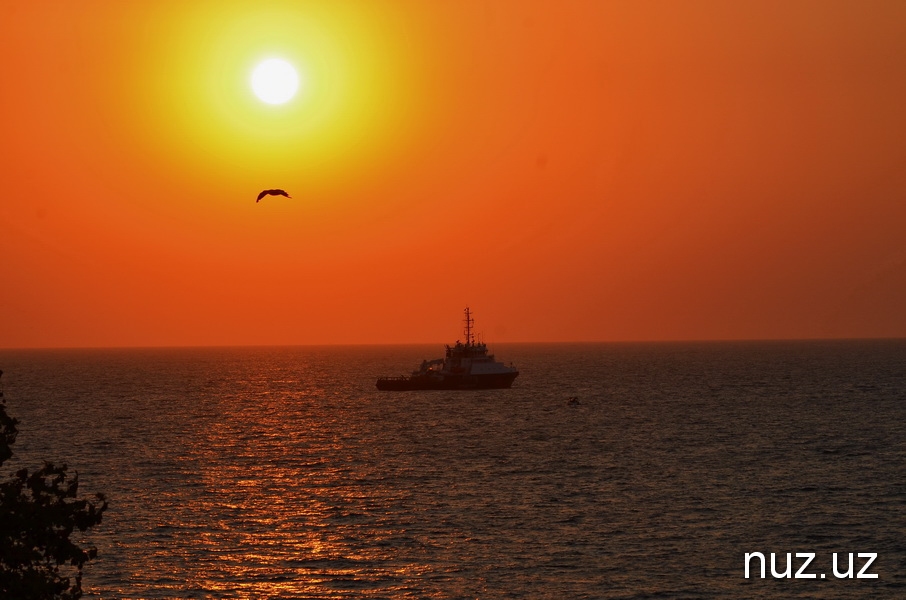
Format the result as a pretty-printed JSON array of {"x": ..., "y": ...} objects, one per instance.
[{"x": 570, "y": 170}]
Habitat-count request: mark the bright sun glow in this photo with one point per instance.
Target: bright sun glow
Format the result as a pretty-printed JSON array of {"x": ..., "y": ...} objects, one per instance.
[{"x": 275, "y": 81}]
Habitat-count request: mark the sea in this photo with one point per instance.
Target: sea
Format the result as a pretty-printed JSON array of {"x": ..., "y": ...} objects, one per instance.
[{"x": 632, "y": 471}]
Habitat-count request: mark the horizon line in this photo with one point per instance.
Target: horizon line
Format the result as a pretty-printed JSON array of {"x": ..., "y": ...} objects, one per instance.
[{"x": 424, "y": 343}]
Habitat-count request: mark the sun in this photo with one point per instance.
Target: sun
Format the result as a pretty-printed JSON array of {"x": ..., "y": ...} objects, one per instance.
[{"x": 275, "y": 81}]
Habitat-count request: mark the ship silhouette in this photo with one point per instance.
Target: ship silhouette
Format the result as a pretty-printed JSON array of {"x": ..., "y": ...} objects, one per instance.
[{"x": 465, "y": 366}]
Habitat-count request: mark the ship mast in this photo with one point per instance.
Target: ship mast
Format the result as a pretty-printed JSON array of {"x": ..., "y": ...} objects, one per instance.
[{"x": 469, "y": 322}]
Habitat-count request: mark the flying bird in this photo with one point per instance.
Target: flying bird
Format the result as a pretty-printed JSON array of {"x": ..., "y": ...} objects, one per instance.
[{"x": 272, "y": 193}]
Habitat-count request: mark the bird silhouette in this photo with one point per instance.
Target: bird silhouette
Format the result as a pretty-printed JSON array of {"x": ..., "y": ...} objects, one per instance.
[{"x": 272, "y": 193}]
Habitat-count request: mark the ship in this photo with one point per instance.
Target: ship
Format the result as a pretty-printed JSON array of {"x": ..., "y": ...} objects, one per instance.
[{"x": 465, "y": 366}]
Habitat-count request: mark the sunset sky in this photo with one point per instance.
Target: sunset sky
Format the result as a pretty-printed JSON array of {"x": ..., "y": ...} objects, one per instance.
[{"x": 572, "y": 171}]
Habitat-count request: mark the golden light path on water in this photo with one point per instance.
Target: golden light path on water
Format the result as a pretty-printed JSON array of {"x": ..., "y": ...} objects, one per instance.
[{"x": 293, "y": 485}]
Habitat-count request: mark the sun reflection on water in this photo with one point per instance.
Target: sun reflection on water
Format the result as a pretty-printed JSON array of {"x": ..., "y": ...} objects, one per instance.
[{"x": 293, "y": 497}]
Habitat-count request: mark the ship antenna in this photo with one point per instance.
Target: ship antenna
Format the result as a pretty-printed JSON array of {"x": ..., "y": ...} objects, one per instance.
[{"x": 469, "y": 322}]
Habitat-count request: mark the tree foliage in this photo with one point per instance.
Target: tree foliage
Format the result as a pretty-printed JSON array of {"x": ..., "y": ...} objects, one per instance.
[{"x": 38, "y": 513}]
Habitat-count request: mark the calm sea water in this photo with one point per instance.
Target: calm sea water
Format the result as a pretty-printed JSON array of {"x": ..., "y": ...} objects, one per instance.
[{"x": 283, "y": 472}]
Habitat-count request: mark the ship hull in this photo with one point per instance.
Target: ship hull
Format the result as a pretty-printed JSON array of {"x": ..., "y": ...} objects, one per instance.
[{"x": 487, "y": 381}]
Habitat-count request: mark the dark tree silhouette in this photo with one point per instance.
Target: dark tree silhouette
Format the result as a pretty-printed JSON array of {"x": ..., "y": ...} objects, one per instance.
[{"x": 38, "y": 513}]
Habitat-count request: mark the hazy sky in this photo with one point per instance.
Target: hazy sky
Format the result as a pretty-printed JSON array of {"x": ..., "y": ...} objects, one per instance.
[{"x": 570, "y": 170}]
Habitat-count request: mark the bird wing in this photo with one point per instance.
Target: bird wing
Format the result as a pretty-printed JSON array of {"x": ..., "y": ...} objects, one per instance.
[{"x": 262, "y": 195}]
